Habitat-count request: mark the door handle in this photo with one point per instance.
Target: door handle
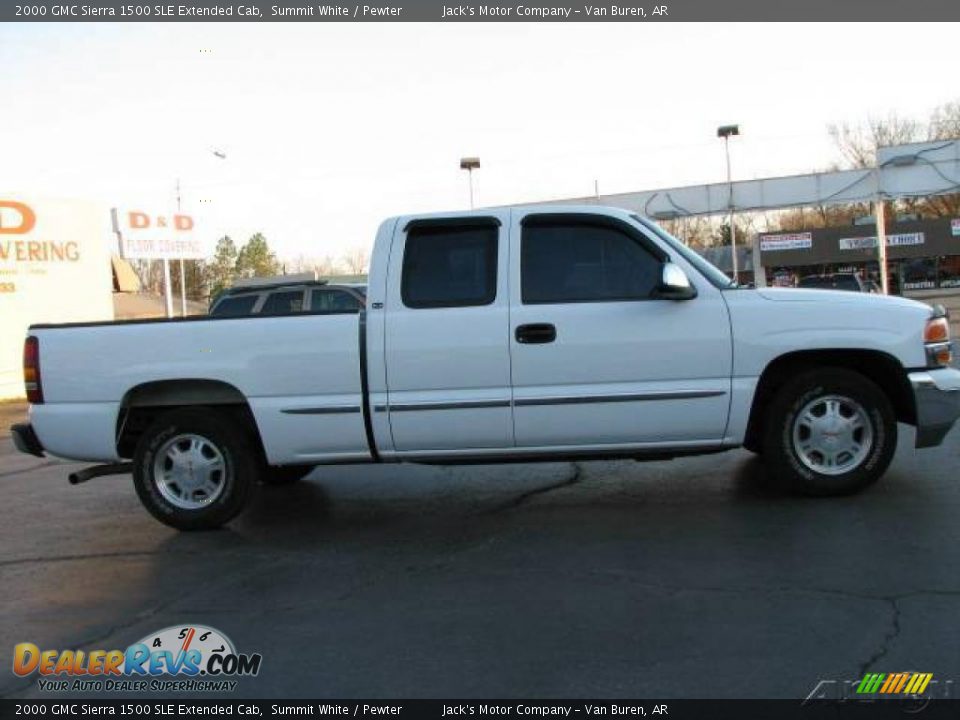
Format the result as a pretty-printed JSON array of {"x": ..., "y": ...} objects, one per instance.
[{"x": 536, "y": 333}]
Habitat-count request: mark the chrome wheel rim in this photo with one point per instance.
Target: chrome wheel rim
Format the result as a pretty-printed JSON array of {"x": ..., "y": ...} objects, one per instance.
[
  {"x": 832, "y": 435},
  {"x": 189, "y": 471}
]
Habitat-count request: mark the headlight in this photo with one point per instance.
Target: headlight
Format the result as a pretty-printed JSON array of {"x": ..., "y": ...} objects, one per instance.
[
  {"x": 937, "y": 330},
  {"x": 936, "y": 339}
]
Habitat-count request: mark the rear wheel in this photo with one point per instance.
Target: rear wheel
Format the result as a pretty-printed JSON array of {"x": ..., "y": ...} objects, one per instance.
[
  {"x": 830, "y": 431},
  {"x": 193, "y": 469}
]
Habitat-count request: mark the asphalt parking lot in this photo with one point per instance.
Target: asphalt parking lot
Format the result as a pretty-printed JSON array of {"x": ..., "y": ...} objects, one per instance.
[{"x": 673, "y": 579}]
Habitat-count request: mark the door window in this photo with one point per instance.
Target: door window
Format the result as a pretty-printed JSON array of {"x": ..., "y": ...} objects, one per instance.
[
  {"x": 449, "y": 266},
  {"x": 333, "y": 301},
  {"x": 284, "y": 302},
  {"x": 567, "y": 262},
  {"x": 236, "y": 306}
]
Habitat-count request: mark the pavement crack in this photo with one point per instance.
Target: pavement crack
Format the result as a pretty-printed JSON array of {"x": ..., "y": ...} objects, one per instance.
[
  {"x": 888, "y": 638},
  {"x": 522, "y": 498}
]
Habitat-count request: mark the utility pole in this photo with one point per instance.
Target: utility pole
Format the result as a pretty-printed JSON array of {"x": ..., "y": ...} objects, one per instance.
[
  {"x": 879, "y": 210},
  {"x": 725, "y": 131},
  {"x": 183, "y": 280}
]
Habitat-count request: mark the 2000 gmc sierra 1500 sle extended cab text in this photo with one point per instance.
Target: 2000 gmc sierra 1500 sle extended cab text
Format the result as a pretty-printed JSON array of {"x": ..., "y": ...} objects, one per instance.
[{"x": 502, "y": 335}]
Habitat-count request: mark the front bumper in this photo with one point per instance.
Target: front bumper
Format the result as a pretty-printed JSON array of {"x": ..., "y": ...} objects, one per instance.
[
  {"x": 937, "y": 397},
  {"x": 26, "y": 440}
]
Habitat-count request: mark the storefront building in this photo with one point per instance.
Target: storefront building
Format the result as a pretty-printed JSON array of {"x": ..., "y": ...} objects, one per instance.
[
  {"x": 921, "y": 254},
  {"x": 54, "y": 267}
]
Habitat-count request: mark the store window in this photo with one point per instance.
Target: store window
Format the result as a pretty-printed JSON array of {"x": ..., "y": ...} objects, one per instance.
[
  {"x": 948, "y": 271},
  {"x": 918, "y": 274}
]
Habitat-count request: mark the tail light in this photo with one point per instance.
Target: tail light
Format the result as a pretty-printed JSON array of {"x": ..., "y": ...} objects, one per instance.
[{"x": 31, "y": 370}]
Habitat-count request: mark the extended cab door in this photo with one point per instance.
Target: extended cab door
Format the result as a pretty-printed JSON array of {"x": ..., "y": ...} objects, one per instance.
[
  {"x": 447, "y": 323},
  {"x": 597, "y": 361}
]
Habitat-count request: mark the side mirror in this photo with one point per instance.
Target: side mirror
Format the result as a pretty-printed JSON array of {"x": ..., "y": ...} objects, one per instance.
[{"x": 674, "y": 284}]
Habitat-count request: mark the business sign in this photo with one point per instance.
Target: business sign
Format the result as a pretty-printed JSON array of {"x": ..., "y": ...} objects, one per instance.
[
  {"x": 150, "y": 236},
  {"x": 955, "y": 227},
  {"x": 895, "y": 240},
  {"x": 791, "y": 241},
  {"x": 54, "y": 267}
]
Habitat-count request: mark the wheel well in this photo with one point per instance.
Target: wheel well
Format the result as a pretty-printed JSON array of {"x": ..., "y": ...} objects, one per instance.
[
  {"x": 146, "y": 402},
  {"x": 883, "y": 369}
]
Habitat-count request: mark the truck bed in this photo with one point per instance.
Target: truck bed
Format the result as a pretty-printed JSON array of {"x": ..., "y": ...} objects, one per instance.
[{"x": 299, "y": 373}]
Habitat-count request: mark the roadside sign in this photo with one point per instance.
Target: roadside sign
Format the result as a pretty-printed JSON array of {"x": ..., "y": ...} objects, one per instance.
[
  {"x": 790, "y": 241},
  {"x": 153, "y": 236}
]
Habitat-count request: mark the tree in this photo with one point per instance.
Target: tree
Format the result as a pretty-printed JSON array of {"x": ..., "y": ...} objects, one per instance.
[
  {"x": 222, "y": 268},
  {"x": 944, "y": 125},
  {"x": 326, "y": 266},
  {"x": 355, "y": 260},
  {"x": 945, "y": 122},
  {"x": 194, "y": 272},
  {"x": 858, "y": 143},
  {"x": 255, "y": 258}
]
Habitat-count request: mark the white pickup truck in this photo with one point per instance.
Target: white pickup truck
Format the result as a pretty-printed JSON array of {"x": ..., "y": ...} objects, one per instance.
[{"x": 515, "y": 334}]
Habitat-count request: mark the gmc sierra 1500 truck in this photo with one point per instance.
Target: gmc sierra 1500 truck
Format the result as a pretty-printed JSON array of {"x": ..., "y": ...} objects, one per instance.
[{"x": 517, "y": 334}]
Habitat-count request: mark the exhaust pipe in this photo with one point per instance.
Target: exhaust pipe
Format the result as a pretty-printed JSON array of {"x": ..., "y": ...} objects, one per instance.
[{"x": 81, "y": 476}]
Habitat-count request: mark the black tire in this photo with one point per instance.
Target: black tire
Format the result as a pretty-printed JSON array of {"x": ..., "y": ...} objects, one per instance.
[
  {"x": 813, "y": 389},
  {"x": 240, "y": 462},
  {"x": 286, "y": 474}
]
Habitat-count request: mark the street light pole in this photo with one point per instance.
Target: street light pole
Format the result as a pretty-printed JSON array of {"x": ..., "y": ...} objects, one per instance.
[
  {"x": 725, "y": 131},
  {"x": 470, "y": 164}
]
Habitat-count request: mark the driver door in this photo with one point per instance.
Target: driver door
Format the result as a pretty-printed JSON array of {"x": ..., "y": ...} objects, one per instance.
[{"x": 595, "y": 360}]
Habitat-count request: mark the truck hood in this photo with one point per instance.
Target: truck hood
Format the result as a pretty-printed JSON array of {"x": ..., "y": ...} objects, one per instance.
[{"x": 837, "y": 296}]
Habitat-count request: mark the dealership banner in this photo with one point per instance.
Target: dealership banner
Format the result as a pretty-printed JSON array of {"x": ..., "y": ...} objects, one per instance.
[
  {"x": 790, "y": 241},
  {"x": 895, "y": 240},
  {"x": 156, "y": 236}
]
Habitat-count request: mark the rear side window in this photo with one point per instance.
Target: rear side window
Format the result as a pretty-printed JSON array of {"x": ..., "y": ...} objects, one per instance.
[
  {"x": 236, "y": 306},
  {"x": 581, "y": 262},
  {"x": 284, "y": 302},
  {"x": 449, "y": 266},
  {"x": 333, "y": 301}
]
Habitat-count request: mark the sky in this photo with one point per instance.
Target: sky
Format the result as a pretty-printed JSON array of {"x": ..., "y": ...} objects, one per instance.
[{"x": 330, "y": 128}]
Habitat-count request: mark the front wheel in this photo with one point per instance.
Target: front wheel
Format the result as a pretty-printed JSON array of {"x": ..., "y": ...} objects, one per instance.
[
  {"x": 193, "y": 469},
  {"x": 830, "y": 431}
]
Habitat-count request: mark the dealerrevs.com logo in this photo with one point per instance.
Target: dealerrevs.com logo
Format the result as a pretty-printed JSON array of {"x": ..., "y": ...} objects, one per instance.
[{"x": 178, "y": 658}]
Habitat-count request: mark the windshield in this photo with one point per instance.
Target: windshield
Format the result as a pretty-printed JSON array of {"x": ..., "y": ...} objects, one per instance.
[{"x": 716, "y": 276}]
